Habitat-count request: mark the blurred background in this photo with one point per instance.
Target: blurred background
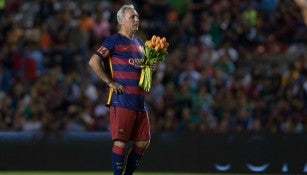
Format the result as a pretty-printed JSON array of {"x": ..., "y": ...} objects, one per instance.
[{"x": 236, "y": 72}]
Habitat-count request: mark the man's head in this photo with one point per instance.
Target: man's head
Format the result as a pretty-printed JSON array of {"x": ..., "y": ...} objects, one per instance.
[{"x": 128, "y": 18}]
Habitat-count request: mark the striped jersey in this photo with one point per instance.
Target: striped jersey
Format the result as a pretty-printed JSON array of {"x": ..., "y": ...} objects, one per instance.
[{"x": 121, "y": 57}]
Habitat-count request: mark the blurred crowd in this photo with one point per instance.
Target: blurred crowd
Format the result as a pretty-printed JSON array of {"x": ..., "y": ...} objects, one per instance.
[{"x": 232, "y": 66}]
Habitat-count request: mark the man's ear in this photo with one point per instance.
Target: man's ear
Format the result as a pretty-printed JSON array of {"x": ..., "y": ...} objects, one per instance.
[{"x": 120, "y": 21}]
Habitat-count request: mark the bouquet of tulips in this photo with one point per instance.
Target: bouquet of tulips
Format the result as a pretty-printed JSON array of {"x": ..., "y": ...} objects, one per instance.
[{"x": 155, "y": 51}]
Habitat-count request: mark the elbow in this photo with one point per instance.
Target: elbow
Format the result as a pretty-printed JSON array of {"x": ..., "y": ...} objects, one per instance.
[{"x": 92, "y": 61}]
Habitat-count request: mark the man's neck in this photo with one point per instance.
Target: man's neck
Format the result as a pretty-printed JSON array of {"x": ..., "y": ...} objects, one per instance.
[{"x": 126, "y": 34}]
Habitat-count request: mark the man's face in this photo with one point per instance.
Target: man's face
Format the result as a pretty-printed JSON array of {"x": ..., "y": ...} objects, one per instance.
[{"x": 130, "y": 22}]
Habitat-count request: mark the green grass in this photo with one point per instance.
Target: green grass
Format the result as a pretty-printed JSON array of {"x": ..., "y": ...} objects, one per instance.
[
  {"x": 98, "y": 173},
  {"x": 91, "y": 173},
  {"x": 88, "y": 173}
]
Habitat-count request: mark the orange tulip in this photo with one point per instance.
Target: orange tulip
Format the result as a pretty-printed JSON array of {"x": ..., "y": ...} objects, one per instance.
[
  {"x": 157, "y": 39},
  {"x": 163, "y": 40},
  {"x": 166, "y": 44},
  {"x": 153, "y": 38},
  {"x": 162, "y": 45},
  {"x": 157, "y": 47}
]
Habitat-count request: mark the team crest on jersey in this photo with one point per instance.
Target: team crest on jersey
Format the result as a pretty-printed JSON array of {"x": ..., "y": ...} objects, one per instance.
[
  {"x": 103, "y": 51},
  {"x": 121, "y": 131}
]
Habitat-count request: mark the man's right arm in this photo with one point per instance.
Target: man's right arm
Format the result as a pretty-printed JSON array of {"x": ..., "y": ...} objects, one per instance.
[{"x": 95, "y": 64}]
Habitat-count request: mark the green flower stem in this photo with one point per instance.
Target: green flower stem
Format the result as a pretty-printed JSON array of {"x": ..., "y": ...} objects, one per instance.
[{"x": 146, "y": 78}]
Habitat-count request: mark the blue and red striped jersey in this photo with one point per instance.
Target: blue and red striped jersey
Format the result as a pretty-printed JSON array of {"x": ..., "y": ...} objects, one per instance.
[{"x": 121, "y": 57}]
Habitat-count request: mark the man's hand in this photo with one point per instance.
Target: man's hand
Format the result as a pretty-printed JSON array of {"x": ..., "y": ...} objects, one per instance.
[
  {"x": 118, "y": 88},
  {"x": 154, "y": 66}
]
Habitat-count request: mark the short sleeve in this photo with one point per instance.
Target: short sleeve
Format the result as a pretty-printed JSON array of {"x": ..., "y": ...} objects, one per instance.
[{"x": 105, "y": 49}]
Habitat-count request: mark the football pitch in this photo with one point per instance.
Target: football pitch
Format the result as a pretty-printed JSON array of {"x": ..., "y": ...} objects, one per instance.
[{"x": 100, "y": 173}]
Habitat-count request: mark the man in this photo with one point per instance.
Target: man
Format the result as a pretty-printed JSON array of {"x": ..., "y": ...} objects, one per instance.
[{"x": 121, "y": 54}]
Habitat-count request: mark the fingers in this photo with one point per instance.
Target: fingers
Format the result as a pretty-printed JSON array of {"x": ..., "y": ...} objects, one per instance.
[
  {"x": 154, "y": 66},
  {"x": 118, "y": 88}
]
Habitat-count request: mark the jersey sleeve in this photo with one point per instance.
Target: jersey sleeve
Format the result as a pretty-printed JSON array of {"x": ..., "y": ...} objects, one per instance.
[{"x": 105, "y": 49}]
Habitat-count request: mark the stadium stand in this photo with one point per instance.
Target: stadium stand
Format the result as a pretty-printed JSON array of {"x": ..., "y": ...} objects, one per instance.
[{"x": 233, "y": 66}]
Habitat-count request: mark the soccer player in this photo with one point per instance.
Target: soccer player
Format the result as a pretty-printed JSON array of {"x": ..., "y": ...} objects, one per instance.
[{"x": 120, "y": 55}]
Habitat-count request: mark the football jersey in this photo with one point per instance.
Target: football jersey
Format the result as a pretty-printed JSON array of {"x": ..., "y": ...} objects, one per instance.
[{"x": 121, "y": 57}]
